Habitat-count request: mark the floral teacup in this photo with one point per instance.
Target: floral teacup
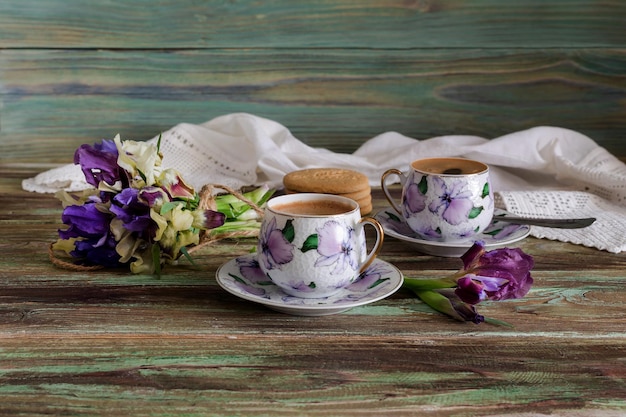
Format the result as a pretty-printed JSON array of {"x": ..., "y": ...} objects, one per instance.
[
  {"x": 313, "y": 245},
  {"x": 444, "y": 199}
]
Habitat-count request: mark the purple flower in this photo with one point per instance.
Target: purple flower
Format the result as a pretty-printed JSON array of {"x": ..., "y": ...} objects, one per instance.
[
  {"x": 499, "y": 274},
  {"x": 89, "y": 224},
  {"x": 275, "y": 249},
  {"x": 99, "y": 162},
  {"x": 85, "y": 221},
  {"x": 336, "y": 246},
  {"x": 97, "y": 251},
  {"x": 134, "y": 213},
  {"x": 454, "y": 202},
  {"x": 153, "y": 196},
  {"x": 212, "y": 219}
]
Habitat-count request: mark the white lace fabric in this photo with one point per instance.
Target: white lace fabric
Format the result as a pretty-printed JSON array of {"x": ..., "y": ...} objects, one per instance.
[{"x": 543, "y": 171}]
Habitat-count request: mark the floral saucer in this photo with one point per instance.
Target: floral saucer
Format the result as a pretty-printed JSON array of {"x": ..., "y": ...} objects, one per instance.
[
  {"x": 499, "y": 233},
  {"x": 243, "y": 278}
]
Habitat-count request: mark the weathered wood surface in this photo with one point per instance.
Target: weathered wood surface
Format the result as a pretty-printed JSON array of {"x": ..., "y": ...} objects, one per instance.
[
  {"x": 335, "y": 72},
  {"x": 111, "y": 343}
]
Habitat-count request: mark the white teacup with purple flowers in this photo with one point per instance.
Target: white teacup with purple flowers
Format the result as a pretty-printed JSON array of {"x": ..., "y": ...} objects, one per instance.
[
  {"x": 444, "y": 199},
  {"x": 313, "y": 245}
]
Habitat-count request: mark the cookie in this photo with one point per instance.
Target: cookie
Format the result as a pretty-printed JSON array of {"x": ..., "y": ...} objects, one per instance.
[
  {"x": 365, "y": 207},
  {"x": 325, "y": 180},
  {"x": 363, "y": 194},
  {"x": 343, "y": 182}
]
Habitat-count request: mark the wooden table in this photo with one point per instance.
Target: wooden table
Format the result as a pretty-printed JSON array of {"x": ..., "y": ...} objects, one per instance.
[{"x": 111, "y": 343}]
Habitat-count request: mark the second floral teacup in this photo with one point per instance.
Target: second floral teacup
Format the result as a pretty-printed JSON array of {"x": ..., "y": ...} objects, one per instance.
[
  {"x": 444, "y": 199},
  {"x": 313, "y": 245}
]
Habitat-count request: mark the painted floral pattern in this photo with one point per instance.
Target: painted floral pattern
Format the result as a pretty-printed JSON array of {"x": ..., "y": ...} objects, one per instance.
[
  {"x": 498, "y": 231},
  {"x": 414, "y": 198},
  {"x": 454, "y": 201},
  {"x": 247, "y": 276},
  {"x": 275, "y": 245},
  {"x": 336, "y": 246}
]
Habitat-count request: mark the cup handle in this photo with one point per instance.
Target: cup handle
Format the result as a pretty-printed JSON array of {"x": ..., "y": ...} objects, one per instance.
[
  {"x": 383, "y": 185},
  {"x": 380, "y": 235}
]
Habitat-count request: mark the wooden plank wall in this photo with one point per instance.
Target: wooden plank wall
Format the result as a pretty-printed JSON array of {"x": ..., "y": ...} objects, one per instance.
[{"x": 336, "y": 72}]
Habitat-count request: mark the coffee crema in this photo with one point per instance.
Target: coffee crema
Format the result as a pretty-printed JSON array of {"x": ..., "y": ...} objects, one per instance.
[
  {"x": 314, "y": 208},
  {"x": 449, "y": 166}
]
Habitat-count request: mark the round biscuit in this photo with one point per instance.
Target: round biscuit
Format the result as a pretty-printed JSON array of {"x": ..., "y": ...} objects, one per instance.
[
  {"x": 366, "y": 209},
  {"x": 358, "y": 195},
  {"x": 325, "y": 180}
]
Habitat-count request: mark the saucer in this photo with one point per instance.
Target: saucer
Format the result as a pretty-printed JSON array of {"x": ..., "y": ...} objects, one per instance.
[
  {"x": 243, "y": 278},
  {"x": 499, "y": 233}
]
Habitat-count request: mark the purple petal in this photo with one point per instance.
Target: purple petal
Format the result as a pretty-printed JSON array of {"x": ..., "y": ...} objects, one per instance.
[
  {"x": 98, "y": 162},
  {"x": 457, "y": 211},
  {"x": 470, "y": 291},
  {"x": 414, "y": 201},
  {"x": 280, "y": 249},
  {"x": 85, "y": 220},
  {"x": 213, "y": 219},
  {"x": 330, "y": 238}
]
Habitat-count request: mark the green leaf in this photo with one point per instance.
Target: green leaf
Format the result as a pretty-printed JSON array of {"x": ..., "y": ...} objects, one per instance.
[
  {"x": 184, "y": 251},
  {"x": 485, "y": 190},
  {"x": 417, "y": 284},
  {"x": 439, "y": 303},
  {"x": 312, "y": 285},
  {"x": 423, "y": 185},
  {"x": 156, "y": 259},
  {"x": 393, "y": 216},
  {"x": 378, "y": 282},
  {"x": 288, "y": 231},
  {"x": 497, "y": 322},
  {"x": 169, "y": 206},
  {"x": 474, "y": 212},
  {"x": 238, "y": 279},
  {"x": 159, "y": 142},
  {"x": 310, "y": 243}
]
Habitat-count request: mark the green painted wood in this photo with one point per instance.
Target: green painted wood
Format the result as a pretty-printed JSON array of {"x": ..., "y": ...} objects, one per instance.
[
  {"x": 112, "y": 343},
  {"x": 52, "y": 101},
  {"x": 396, "y": 24}
]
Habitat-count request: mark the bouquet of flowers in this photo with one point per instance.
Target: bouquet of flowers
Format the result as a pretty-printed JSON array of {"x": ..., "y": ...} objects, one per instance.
[
  {"x": 499, "y": 274},
  {"x": 139, "y": 214}
]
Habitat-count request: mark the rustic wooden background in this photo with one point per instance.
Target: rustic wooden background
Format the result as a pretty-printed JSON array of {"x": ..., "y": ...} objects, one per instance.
[{"x": 336, "y": 72}]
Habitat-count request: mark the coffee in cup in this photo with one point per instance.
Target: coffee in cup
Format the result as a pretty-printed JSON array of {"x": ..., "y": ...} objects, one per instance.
[
  {"x": 444, "y": 199},
  {"x": 313, "y": 245}
]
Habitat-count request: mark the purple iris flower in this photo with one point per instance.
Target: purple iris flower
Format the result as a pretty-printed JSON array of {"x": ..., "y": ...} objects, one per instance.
[
  {"x": 275, "y": 249},
  {"x": 454, "y": 201},
  {"x": 336, "y": 245},
  {"x": 90, "y": 225},
  {"x": 134, "y": 213},
  {"x": 85, "y": 221},
  {"x": 153, "y": 196},
  {"x": 98, "y": 251},
  {"x": 499, "y": 274},
  {"x": 99, "y": 162}
]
